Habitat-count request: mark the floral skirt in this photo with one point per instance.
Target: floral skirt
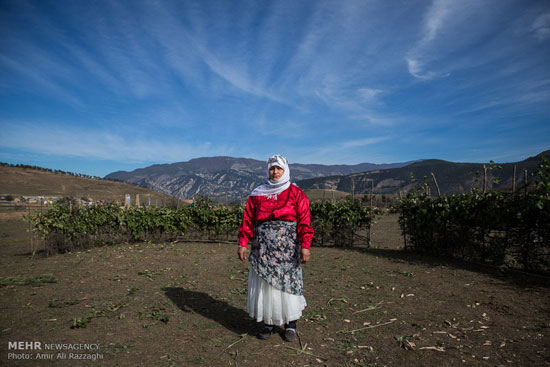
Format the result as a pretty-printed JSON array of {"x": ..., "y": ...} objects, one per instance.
[
  {"x": 275, "y": 255},
  {"x": 275, "y": 279}
]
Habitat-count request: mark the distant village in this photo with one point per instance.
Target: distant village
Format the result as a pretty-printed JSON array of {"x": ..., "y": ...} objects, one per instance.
[
  {"x": 42, "y": 200},
  {"x": 39, "y": 200},
  {"x": 45, "y": 200}
]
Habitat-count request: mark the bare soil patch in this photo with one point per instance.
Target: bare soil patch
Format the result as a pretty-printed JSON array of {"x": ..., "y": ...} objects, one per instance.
[{"x": 184, "y": 304}]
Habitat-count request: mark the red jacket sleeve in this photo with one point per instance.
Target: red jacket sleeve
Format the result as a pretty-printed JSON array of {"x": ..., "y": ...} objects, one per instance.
[
  {"x": 303, "y": 217},
  {"x": 246, "y": 232}
]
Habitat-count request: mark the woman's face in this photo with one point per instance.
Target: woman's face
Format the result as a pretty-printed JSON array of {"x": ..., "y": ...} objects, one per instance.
[{"x": 275, "y": 173}]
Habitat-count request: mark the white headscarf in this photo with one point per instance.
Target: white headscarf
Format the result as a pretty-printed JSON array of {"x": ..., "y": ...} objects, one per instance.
[{"x": 273, "y": 188}]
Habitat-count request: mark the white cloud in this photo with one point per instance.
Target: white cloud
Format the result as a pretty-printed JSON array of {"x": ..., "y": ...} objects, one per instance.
[
  {"x": 66, "y": 141},
  {"x": 541, "y": 27},
  {"x": 164, "y": 66},
  {"x": 436, "y": 17},
  {"x": 415, "y": 69},
  {"x": 434, "y": 21},
  {"x": 446, "y": 26},
  {"x": 38, "y": 82},
  {"x": 370, "y": 95},
  {"x": 236, "y": 76},
  {"x": 332, "y": 53},
  {"x": 205, "y": 48},
  {"x": 344, "y": 146},
  {"x": 361, "y": 142},
  {"x": 351, "y": 151}
]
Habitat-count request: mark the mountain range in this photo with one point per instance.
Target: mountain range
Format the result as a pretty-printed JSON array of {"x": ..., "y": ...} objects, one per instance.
[
  {"x": 451, "y": 177},
  {"x": 227, "y": 177},
  {"x": 231, "y": 178}
]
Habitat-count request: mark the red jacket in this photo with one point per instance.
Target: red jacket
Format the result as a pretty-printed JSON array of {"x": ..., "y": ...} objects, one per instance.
[{"x": 290, "y": 205}]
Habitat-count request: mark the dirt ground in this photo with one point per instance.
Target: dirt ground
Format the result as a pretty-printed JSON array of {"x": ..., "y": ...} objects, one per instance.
[{"x": 184, "y": 304}]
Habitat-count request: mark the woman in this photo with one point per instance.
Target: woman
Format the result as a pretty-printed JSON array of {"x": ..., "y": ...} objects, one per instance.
[{"x": 277, "y": 221}]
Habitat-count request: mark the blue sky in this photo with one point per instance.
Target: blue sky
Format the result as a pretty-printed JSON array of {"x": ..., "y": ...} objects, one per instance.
[{"x": 99, "y": 86}]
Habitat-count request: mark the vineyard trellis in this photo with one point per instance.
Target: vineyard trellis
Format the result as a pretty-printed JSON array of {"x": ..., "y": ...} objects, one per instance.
[
  {"x": 66, "y": 227},
  {"x": 504, "y": 229},
  {"x": 343, "y": 224},
  {"x": 511, "y": 229}
]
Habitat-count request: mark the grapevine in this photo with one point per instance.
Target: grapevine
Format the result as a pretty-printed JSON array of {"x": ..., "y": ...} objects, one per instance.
[
  {"x": 504, "y": 229},
  {"x": 66, "y": 227}
]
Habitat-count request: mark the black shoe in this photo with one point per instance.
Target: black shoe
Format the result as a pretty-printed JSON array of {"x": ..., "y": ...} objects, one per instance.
[
  {"x": 290, "y": 335},
  {"x": 265, "y": 333}
]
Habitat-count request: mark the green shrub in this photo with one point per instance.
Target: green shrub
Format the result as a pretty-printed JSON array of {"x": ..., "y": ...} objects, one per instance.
[{"x": 495, "y": 227}]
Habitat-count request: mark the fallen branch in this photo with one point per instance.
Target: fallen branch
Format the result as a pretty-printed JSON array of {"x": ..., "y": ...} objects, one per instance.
[
  {"x": 366, "y": 327},
  {"x": 437, "y": 349},
  {"x": 300, "y": 351},
  {"x": 370, "y": 308},
  {"x": 243, "y": 336}
]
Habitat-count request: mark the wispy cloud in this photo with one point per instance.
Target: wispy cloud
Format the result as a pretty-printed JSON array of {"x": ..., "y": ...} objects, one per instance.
[
  {"x": 416, "y": 69},
  {"x": 541, "y": 27},
  {"x": 323, "y": 80},
  {"x": 328, "y": 58},
  {"x": 343, "y": 151},
  {"x": 437, "y": 16},
  {"x": 358, "y": 103},
  {"x": 526, "y": 94},
  {"x": 105, "y": 54},
  {"x": 61, "y": 140},
  {"x": 235, "y": 76},
  {"x": 444, "y": 27},
  {"x": 42, "y": 83},
  {"x": 361, "y": 142},
  {"x": 370, "y": 95}
]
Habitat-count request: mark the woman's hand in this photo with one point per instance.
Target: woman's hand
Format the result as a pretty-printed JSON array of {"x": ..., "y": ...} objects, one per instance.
[
  {"x": 304, "y": 255},
  {"x": 241, "y": 252}
]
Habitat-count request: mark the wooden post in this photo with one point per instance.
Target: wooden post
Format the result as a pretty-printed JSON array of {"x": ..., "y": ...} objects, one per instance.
[
  {"x": 30, "y": 227},
  {"x": 371, "y": 191},
  {"x": 525, "y": 180},
  {"x": 137, "y": 200},
  {"x": 484, "y": 179},
  {"x": 436, "y": 186},
  {"x": 514, "y": 181},
  {"x": 352, "y": 189}
]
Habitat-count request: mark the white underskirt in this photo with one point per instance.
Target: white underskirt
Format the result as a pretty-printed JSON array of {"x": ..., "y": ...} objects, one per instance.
[{"x": 270, "y": 305}]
